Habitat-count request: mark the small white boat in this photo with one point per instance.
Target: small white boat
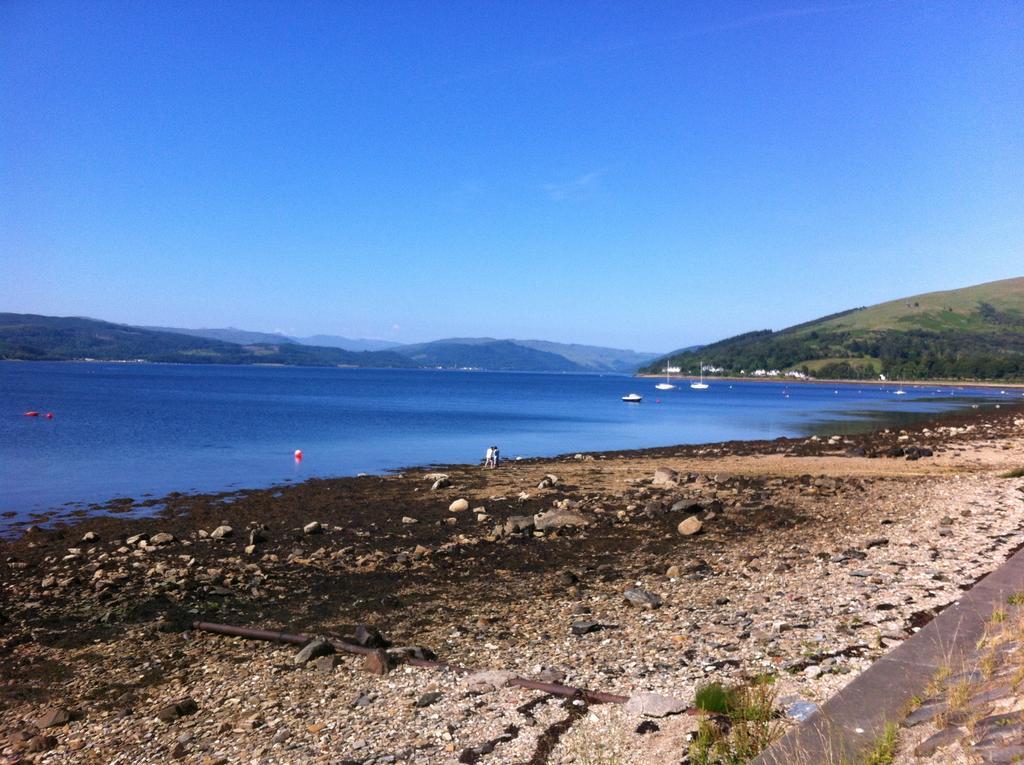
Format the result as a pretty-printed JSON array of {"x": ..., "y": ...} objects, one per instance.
[
  {"x": 633, "y": 398},
  {"x": 667, "y": 385},
  {"x": 700, "y": 385}
]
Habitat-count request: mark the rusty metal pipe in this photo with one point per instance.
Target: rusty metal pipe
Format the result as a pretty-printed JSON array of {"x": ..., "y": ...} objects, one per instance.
[{"x": 555, "y": 689}]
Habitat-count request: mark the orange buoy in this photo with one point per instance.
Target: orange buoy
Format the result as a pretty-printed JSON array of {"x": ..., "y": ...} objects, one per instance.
[
  {"x": 298, "y": 455},
  {"x": 31, "y": 414}
]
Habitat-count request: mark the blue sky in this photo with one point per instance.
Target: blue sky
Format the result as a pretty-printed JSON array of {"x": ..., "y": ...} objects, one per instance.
[{"x": 645, "y": 175}]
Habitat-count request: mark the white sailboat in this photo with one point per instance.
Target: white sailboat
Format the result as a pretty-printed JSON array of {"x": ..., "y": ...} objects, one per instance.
[
  {"x": 700, "y": 385},
  {"x": 667, "y": 385}
]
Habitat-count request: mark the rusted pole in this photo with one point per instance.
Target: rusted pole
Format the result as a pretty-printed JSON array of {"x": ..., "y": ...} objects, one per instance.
[{"x": 555, "y": 689}]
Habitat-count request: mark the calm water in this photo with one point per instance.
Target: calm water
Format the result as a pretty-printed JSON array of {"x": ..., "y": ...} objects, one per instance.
[{"x": 123, "y": 430}]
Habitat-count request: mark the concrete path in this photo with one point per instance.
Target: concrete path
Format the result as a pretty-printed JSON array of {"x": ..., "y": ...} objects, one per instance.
[{"x": 852, "y": 722}]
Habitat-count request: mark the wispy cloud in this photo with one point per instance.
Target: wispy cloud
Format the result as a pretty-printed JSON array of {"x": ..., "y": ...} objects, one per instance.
[
  {"x": 581, "y": 55},
  {"x": 577, "y": 188}
]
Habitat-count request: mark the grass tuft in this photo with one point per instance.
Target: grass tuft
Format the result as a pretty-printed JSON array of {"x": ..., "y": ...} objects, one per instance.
[
  {"x": 884, "y": 752},
  {"x": 738, "y": 724}
]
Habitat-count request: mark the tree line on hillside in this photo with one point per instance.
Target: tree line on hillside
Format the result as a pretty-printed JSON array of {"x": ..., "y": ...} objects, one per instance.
[{"x": 997, "y": 354}]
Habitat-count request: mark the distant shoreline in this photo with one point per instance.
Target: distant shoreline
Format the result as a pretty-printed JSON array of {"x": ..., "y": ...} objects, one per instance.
[{"x": 796, "y": 381}]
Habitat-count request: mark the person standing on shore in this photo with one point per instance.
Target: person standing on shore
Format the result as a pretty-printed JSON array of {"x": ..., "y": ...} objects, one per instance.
[
  {"x": 489, "y": 457},
  {"x": 494, "y": 456}
]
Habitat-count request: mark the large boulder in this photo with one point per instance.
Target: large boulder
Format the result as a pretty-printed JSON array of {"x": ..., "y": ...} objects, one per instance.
[
  {"x": 664, "y": 476},
  {"x": 558, "y": 519},
  {"x": 517, "y": 523}
]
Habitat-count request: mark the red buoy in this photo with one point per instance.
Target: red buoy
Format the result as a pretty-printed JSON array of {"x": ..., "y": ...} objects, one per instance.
[
  {"x": 49, "y": 415},
  {"x": 298, "y": 455},
  {"x": 31, "y": 414}
]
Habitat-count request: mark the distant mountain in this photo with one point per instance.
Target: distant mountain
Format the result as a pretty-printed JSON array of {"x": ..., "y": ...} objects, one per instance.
[
  {"x": 348, "y": 343},
  {"x": 29, "y": 336},
  {"x": 244, "y": 337},
  {"x": 53, "y": 338},
  {"x": 970, "y": 333},
  {"x": 522, "y": 355},
  {"x": 232, "y": 335},
  {"x": 592, "y": 357},
  {"x": 497, "y": 355}
]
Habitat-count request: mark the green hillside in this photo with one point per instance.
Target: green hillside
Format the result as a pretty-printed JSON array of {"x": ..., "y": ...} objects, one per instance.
[
  {"x": 55, "y": 338},
  {"x": 970, "y": 333}
]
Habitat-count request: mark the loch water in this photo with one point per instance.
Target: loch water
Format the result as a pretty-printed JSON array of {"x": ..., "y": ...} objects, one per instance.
[{"x": 145, "y": 430}]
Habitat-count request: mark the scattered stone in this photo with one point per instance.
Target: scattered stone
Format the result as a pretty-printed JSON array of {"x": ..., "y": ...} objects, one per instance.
[
  {"x": 378, "y": 663},
  {"x": 642, "y": 598},
  {"x": 313, "y": 527},
  {"x": 408, "y": 521},
  {"x": 312, "y": 650},
  {"x": 458, "y": 506},
  {"x": 369, "y": 637},
  {"x": 427, "y": 699},
  {"x": 654, "y": 705},
  {"x": 801, "y": 710},
  {"x": 161, "y": 538},
  {"x": 584, "y": 627},
  {"x": 690, "y": 526},
  {"x": 518, "y": 523},
  {"x": 222, "y": 532},
  {"x": 326, "y": 664},
  {"x": 488, "y": 680},
  {"x": 180, "y": 708},
  {"x": 441, "y": 483},
  {"x": 558, "y": 519},
  {"x": 42, "y": 743},
  {"x": 664, "y": 476},
  {"x": 90, "y": 536},
  {"x": 53, "y": 718}
]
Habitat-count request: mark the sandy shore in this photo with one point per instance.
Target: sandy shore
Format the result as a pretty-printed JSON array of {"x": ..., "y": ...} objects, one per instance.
[{"x": 815, "y": 556}]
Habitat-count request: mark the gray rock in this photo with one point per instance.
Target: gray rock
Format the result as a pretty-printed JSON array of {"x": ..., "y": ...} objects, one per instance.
[
  {"x": 663, "y": 476},
  {"x": 441, "y": 483},
  {"x": 53, "y": 718},
  {"x": 654, "y": 705},
  {"x": 518, "y": 523},
  {"x": 312, "y": 650},
  {"x": 488, "y": 680},
  {"x": 583, "y": 627},
  {"x": 162, "y": 538},
  {"x": 558, "y": 519},
  {"x": 221, "y": 532},
  {"x": 90, "y": 536},
  {"x": 641, "y": 598},
  {"x": 313, "y": 527},
  {"x": 801, "y": 710},
  {"x": 427, "y": 699},
  {"x": 326, "y": 664}
]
